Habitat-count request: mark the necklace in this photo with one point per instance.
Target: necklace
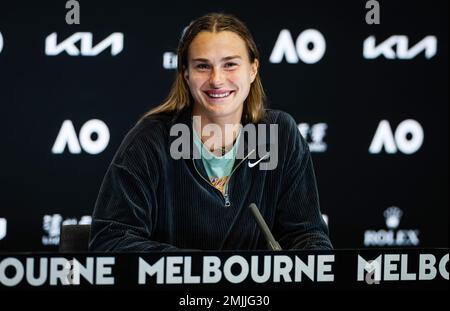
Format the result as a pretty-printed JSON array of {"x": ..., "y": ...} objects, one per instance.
[{"x": 222, "y": 149}]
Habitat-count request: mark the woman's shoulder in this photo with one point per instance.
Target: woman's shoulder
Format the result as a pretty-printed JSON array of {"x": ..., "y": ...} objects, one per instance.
[
  {"x": 280, "y": 117},
  {"x": 152, "y": 123},
  {"x": 149, "y": 133}
]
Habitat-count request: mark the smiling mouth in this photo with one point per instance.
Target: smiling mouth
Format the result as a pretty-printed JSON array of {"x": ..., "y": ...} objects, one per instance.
[{"x": 219, "y": 95}]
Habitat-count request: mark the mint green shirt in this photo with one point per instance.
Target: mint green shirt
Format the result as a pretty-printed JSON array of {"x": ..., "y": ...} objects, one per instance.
[{"x": 217, "y": 168}]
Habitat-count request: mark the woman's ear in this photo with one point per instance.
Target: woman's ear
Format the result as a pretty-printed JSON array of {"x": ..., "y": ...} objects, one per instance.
[{"x": 254, "y": 70}]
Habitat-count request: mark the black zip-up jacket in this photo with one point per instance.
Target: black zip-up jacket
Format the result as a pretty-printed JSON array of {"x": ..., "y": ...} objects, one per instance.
[{"x": 149, "y": 201}]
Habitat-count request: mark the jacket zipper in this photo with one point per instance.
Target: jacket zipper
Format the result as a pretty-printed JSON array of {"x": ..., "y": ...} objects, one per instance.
[{"x": 225, "y": 196}]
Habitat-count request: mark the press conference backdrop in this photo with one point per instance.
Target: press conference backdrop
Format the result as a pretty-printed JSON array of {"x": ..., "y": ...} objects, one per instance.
[{"x": 371, "y": 100}]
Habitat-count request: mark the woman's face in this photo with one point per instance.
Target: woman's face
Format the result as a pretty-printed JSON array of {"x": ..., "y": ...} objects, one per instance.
[{"x": 219, "y": 74}]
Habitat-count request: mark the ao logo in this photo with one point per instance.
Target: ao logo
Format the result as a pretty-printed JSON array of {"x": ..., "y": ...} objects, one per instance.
[
  {"x": 68, "y": 137},
  {"x": 2, "y": 228},
  {"x": 398, "y": 141},
  {"x": 309, "y": 47},
  {"x": 1, "y": 42}
]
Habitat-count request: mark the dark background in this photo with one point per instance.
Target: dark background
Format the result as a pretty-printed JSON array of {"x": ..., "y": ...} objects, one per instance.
[{"x": 349, "y": 93}]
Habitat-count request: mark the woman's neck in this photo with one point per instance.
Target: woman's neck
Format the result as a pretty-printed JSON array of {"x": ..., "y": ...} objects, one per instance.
[{"x": 217, "y": 135}]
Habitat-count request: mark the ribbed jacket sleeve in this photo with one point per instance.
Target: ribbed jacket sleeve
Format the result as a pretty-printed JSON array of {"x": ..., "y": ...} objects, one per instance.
[
  {"x": 124, "y": 213},
  {"x": 299, "y": 223}
]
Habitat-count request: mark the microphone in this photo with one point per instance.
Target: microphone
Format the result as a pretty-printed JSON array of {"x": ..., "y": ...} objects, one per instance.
[{"x": 271, "y": 242}]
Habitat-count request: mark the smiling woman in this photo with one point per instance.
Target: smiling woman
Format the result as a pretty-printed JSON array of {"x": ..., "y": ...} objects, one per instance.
[
  {"x": 226, "y": 30},
  {"x": 219, "y": 75},
  {"x": 151, "y": 200}
]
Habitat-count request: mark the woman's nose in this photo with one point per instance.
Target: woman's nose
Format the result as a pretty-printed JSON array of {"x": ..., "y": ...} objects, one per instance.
[{"x": 216, "y": 78}]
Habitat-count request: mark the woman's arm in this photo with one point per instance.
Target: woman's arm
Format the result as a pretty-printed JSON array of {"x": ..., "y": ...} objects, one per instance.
[
  {"x": 299, "y": 223},
  {"x": 125, "y": 209}
]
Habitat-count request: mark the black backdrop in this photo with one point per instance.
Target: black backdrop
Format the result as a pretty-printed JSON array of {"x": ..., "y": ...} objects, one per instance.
[{"x": 339, "y": 100}]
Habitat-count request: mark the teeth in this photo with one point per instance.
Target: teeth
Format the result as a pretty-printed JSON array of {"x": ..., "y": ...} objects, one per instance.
[{"x": 219, "y": 95}]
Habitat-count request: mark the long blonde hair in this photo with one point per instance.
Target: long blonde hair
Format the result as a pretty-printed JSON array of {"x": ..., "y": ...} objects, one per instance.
[{"x": 180, "y": 97}]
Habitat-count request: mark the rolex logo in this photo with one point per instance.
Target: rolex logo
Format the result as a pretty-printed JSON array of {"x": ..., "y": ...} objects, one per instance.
[{"x": 393, "y": 215}]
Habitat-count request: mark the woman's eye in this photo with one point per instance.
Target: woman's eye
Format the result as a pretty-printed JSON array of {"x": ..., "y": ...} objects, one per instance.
[
  {"x": 202, "y": 66},
  {"x": 230, "y": 65}
]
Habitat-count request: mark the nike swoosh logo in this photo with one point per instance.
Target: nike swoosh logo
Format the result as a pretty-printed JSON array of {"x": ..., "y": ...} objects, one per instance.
[{"x": 255, "y": 163}]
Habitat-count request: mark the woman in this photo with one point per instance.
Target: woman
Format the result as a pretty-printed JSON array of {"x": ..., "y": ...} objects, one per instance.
[{"x": 153, "y": 198}]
